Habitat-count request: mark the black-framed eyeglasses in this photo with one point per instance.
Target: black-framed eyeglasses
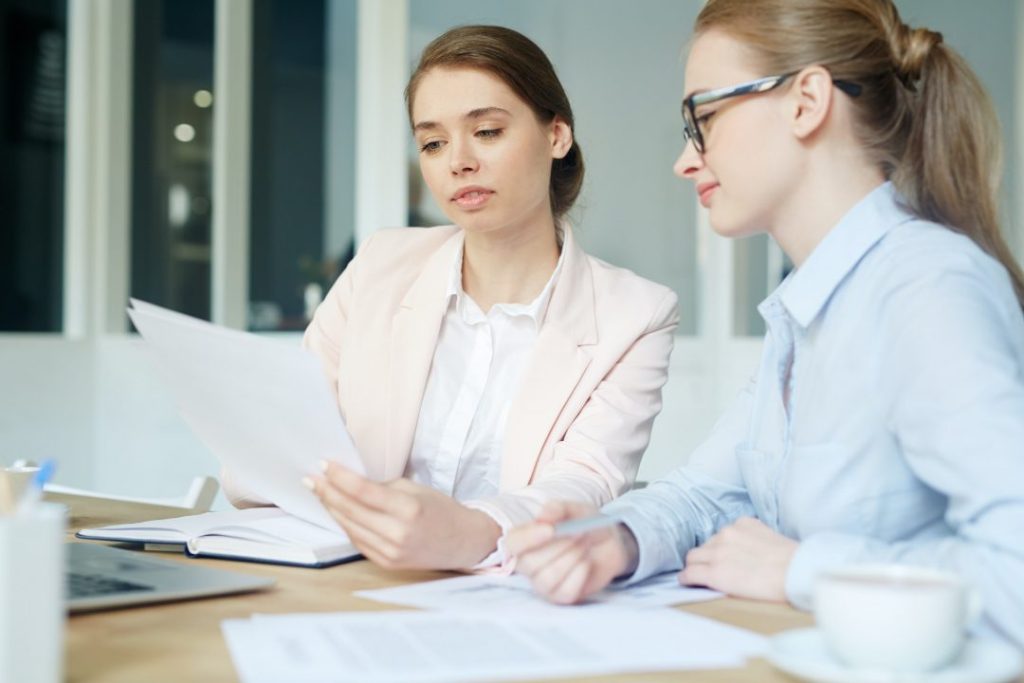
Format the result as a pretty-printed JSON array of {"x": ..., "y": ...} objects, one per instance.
[{"x": 692, "y": 123}]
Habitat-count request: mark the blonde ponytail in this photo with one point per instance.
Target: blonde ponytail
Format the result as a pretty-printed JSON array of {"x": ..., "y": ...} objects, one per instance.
[{"x": 949, "y": 171}]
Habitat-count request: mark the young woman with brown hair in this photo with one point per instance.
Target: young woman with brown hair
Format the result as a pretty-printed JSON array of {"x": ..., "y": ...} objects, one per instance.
[
  {"x": 489, "y": 366},
  {"x": 886, "y": 421}
]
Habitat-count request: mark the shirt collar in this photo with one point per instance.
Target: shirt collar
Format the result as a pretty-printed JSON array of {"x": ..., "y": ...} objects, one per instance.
[
  {"x": 807, "y": 289},
  {"x": 470, "y": 312}
]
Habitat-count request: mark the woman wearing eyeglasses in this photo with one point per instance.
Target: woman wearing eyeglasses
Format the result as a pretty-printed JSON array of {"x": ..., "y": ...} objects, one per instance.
[
  {"x": 886, "y": 420},
  {"x": 489, "y": 366}
]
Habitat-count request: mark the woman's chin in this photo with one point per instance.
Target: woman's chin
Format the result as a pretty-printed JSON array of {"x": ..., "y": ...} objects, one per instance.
[{"x": 733, "y": 229}]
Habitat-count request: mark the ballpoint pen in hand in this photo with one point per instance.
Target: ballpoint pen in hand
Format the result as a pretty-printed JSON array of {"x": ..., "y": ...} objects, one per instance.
[
  {"x": 34, "y": 491},
  {"x": 582, "y": 525}
]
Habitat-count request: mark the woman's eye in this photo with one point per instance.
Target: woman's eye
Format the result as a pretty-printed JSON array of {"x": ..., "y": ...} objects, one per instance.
[
  {"x": 703, "y": 119},
  {"x": 430, "y": 147},
  {"x": 489, "y": 133}
]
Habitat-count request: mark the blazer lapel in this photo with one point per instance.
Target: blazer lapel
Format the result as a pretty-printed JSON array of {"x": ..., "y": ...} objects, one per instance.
[
  {"x": 414, "y": 332},
  {"x": 558, "y": 362}
]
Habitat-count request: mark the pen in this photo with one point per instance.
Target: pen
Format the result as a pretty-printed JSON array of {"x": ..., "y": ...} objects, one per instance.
[
  {"x": 34, "y": 491},
  {"x": 575, "y": 527}
]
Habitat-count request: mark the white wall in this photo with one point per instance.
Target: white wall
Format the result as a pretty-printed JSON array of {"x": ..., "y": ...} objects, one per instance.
[
  {"x": 101, "y": 410},
  {"x": 142, "y": 446},
  {"x": 47, "y": 403}
]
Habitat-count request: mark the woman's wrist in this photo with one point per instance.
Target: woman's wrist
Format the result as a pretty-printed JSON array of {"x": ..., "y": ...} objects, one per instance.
[
  {"x": 483, "y": 540},
  {"x": 630, "y": 551}
]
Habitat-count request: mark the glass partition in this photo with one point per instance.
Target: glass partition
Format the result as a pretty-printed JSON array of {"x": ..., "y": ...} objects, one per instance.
[
  {"x": 303, "y": 161},
  {"x": 172, "y": 143},
  {"x": 33, "y": 46}
]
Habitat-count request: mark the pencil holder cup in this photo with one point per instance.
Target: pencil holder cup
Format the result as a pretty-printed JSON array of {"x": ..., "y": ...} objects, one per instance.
[
  {"x": 32, "y": 611},
  {"x": 13, "y": 482}
]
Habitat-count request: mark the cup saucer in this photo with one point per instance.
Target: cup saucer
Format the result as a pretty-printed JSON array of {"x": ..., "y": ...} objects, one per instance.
[{"x": 802, "y": 653}]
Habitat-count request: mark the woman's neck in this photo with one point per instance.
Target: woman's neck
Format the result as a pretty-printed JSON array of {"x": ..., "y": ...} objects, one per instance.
[
  {"x": 828, "y": 189},
  {"x": 509, "y": 267}
]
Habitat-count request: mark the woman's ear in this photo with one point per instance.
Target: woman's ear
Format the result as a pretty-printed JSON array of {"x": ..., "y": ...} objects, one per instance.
[
  {"x": 560, "y": 135},
  {"x": 811, "y": 100}
]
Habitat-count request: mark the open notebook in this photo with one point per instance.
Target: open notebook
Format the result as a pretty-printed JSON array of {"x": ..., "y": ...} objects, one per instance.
[{"x": 255, "y": 534}]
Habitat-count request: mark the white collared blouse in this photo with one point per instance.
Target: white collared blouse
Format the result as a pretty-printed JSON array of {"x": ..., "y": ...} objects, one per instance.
[
  {"x": 903, "y": 437},
  {"x": 476, "y": 369}
]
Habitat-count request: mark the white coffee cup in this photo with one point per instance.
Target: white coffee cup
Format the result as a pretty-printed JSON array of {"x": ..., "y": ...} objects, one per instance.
[
  {"x": 32, "y": 609},
  {"x": 894, "y": 618}
]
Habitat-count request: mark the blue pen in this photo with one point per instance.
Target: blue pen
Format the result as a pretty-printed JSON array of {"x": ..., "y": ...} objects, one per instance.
[
  {"x": 34, "y": 492},
  {"x": 582, "y": 525}
]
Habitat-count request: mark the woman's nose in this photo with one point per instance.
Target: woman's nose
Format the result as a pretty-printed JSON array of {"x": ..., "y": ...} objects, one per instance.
[
  {"x": 463, "y": 160},
  {"x": 689, "y": 161}
]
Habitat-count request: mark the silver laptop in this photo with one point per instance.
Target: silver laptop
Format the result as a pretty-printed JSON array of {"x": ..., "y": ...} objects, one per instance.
[{"x": 103, "y": 577}]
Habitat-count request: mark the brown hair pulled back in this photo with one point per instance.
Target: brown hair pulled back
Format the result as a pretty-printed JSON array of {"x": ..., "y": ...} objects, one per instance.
[
  {"x": 923, "y": 115},
  {"x": 523, "y": 67}
]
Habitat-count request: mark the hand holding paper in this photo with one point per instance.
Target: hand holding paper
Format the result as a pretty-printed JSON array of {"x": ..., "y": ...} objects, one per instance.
[{"x": 402, "y": 524}]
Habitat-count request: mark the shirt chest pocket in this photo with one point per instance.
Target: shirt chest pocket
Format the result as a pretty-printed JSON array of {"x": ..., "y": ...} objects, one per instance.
[
  {"x": 833, "y": 487},
  {"x": 813, "y": 489}
]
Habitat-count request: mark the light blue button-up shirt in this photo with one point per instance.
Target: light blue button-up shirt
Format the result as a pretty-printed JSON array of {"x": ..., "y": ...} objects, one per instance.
[{"x": 903, "y": 438}]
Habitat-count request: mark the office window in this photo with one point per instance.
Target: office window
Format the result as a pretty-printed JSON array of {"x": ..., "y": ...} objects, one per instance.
[
  {"x": 303, "y": 156},
  {"x": 33, "y": 43},
  {"x": 172, "y": 113},
  {"x": 633, "y": 211}
]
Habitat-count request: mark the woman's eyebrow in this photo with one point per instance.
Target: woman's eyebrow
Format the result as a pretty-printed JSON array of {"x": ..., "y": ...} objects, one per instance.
[
  {"x": 477, "y": 113},
  {"x": 486, "y": 111}
]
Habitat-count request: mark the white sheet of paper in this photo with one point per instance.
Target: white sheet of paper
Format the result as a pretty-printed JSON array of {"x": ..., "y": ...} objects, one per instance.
[
  {"x": 513, "y": 594},
  {"x": 428, "y": 647},
  {"x": 264, "y": 408}
]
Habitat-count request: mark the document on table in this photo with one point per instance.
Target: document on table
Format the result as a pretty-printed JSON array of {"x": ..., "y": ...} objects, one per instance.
[
  {"x": 428, "y": 647},
  {"x": 264, "y": 408},
  {"x": 513, "y": 594}
]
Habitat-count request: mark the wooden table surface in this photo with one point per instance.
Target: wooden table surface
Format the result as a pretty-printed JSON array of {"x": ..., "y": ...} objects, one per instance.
[{"x": 182, "y": 641}]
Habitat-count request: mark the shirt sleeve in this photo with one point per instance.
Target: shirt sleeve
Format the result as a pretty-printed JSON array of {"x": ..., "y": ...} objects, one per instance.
[
  {"x": 599, "y": 456},
  {"x": 954, "y": 368},
  {"x": 692, "y": 503}
]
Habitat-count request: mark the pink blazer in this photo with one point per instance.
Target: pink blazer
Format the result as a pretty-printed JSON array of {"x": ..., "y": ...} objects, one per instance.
[{"x": 588, "y": 397}]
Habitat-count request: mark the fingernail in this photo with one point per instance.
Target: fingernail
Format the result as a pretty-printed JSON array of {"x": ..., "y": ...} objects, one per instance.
[
  {"x": 323, "y": 465},
  {"x": 309, "y": 483}
]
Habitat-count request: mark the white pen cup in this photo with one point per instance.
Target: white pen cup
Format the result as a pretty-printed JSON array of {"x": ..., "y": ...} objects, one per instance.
[
  {"x": 32, "y": 610},
  {"x": 14, "y": 481},
  {"x": 894, "y": 618}
]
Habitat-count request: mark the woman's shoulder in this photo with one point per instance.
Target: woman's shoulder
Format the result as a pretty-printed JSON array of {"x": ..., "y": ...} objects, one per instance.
[
  {"x": 388, "y": 243},
  {"x": 620, "y": 288},
  {"x": 396, "y": 250},
  {"x": 921, "y": 263},
  {"x": 919, "y": 250}
]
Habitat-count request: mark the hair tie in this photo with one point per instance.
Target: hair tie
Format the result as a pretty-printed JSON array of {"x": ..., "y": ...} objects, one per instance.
[{"x": 911, "y": 51}]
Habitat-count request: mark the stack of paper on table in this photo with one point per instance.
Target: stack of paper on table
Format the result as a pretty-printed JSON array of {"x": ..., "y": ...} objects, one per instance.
[
  {"x": 427, "y": 647},
  {"x": 265, "y": 409},
  {"x": 490, "y": 627}
]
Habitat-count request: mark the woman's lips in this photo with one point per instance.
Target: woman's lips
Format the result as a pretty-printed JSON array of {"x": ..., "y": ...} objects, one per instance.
[
  {"x": 704, "y": 191},
  {"x": 472, "y": 197}
]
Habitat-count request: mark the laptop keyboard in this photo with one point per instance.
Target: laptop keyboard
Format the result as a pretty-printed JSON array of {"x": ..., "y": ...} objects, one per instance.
[{"x": 87, "y": 585}]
